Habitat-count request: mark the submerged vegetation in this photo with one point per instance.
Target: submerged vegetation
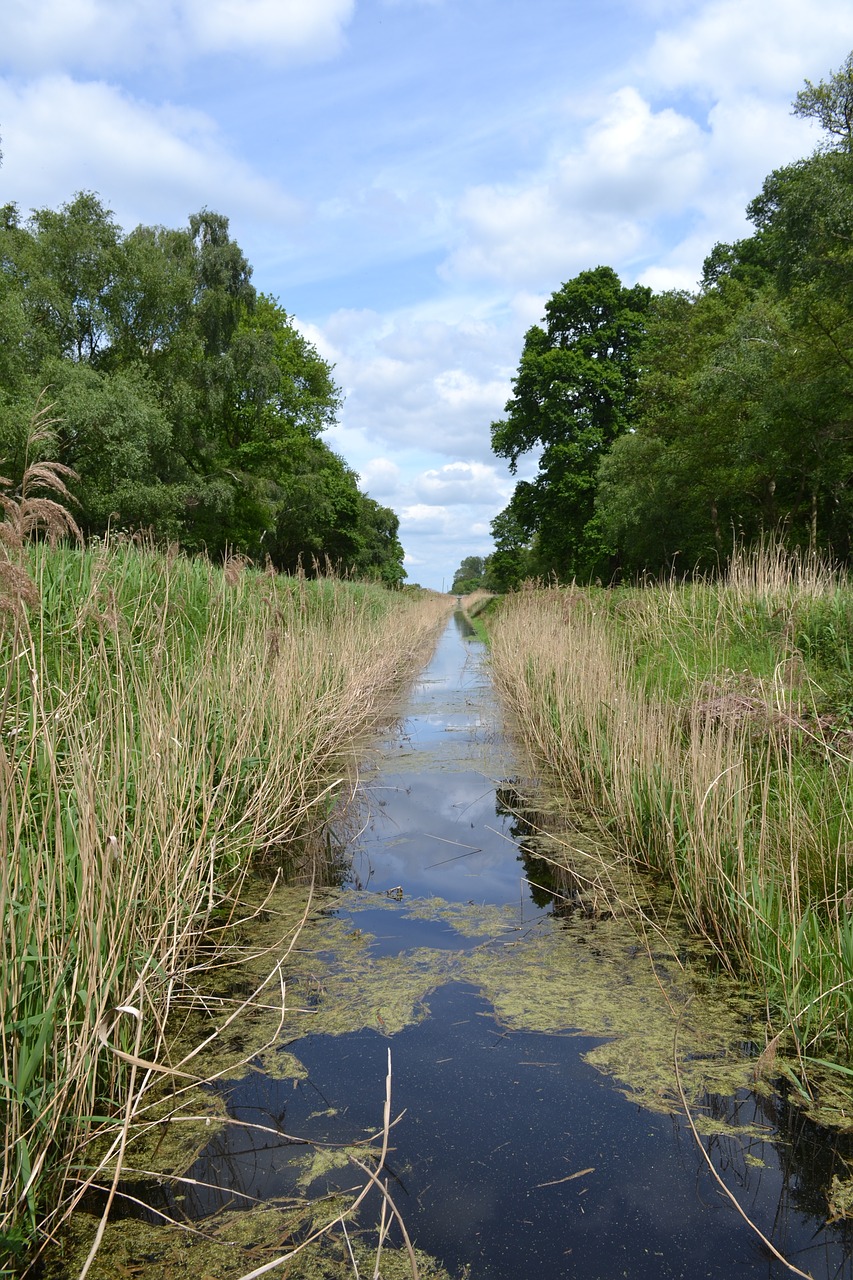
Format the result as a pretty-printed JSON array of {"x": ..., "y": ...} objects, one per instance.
[
  {"x": 707, "y": 729},
  {"x": 543, "y": 978},
  {"x": 166, "y": 724}
]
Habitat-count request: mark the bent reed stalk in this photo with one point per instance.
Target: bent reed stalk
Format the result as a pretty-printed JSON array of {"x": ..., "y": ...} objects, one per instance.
[
  {"x": 688, "y": 721},
  {"x": 162, "y": 723}
]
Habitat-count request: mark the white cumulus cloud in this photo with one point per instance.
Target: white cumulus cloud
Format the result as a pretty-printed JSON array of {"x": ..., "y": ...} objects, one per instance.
[
  {"x": 726, "y": 46},
  {"x": 464, "y": 483},
  {"x": 423, "y": 518},
  {"x": 380, "y": 478},
  {"x": 306, "y": 27},
  {"x": 411, "y": 381},
  {"x": 642, "y": 186},
  {"x": 592, "y": 202}
]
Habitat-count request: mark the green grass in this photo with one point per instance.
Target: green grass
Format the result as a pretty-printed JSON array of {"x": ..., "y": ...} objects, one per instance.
[{"x": 478, "y": 608}]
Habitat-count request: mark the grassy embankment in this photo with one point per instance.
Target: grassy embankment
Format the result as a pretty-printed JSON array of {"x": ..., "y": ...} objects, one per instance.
[
  {"x": 708, "y": 727},
  {"x": 162, "y": 724},
  {"x": 476, "y": 608}
]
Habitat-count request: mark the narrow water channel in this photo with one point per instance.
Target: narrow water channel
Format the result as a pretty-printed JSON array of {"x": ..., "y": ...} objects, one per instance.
[{"x": 531, "y": 1047}]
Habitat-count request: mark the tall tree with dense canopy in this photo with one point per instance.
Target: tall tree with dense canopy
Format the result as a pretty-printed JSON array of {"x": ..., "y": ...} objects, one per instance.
[
  {"x": 743, "y": 417},
  {"x": 187, "y": 403},
  {"x": 469, "y": 576},
  {"x": 571, "y": 399}
]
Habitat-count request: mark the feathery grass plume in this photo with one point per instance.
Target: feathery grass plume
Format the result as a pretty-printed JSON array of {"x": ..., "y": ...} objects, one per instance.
[
  {"x": 27, "y": 512},
  {"x": 16, "y": 588},
  {"x": 232, "y": 567}
]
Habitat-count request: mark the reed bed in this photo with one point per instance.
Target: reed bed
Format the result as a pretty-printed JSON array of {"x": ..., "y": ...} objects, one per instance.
[
  {"x": 164, "y": 724},
  {"x": 706, "y": 726}
]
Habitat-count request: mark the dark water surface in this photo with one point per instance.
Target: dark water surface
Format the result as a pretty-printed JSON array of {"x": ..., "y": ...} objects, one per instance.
[{"x": 515, "y": 1155}]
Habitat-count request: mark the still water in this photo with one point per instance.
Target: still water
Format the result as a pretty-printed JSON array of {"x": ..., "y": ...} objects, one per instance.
[{"x": 531, "y": 1047}]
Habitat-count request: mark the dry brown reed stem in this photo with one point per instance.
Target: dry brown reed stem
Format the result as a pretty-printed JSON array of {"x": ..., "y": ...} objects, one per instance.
[
  {"x": 777, "y": 573},
  {"x": 175, "y": 1070},
  {"x": 386, "y": 1128},
  {"x": 119, "y": 1162},
  {"x": 700, "y": 1144},
  {"x": 373, "y": 1180},
  {"x": 144, "y": 765},
  {"x": 114, "y": 1157},
  {"x": 475, "y": 598}
]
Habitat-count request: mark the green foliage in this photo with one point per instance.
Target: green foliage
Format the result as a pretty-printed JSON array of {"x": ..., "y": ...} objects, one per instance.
[
  {"x": 830, "y": 103},
  {"x": 733, "y": 435},
  {"x": 513, "y": 558},
  {"x": 674, "y": 429},
  {"x": 571, "y": 398},
  {"x": 469, "y": 576},
  {"x": 191, "y": 405},
  {"x": 380, "y": 553}
]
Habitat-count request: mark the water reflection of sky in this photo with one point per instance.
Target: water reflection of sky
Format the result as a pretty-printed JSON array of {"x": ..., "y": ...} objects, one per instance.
[
  {"x": 438, "y": 835},
  {"x": 433, "y": 825},
  {"x": 516, "y": 1157},
  {"x": 451, "y": 719}
]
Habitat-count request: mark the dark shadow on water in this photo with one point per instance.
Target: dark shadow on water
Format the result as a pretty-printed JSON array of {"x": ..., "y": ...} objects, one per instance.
[
  {"x": 463, "y": 625},
  {"x": 391, "y": 935},
  {"x": 550, "y": 885},
  {"x": 516, "y": 1157}
]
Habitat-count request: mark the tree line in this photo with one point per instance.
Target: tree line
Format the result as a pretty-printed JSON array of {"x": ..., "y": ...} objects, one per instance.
[
  {"x": 672, "y": 427},
  {"x": 187, "y": 402}
]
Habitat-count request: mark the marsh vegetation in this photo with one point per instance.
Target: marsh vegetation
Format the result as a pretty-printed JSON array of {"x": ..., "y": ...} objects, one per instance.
[
  {"x": 546, "y": 1051},
  {"x": 166, "y": 726},
  {"x": 705, "y": 727}
]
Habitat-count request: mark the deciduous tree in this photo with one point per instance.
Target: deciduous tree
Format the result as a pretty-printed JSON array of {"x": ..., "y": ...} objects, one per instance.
[{"x": 571, "y": 399}]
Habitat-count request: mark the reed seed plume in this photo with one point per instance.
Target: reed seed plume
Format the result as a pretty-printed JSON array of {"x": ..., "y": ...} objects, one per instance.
[{"x": 26, "y": 510}]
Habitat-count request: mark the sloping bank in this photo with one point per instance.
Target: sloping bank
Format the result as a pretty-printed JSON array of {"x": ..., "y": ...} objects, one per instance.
[
  {"x": 706, "y": 728},
  {"x": 165, "y": 725}
]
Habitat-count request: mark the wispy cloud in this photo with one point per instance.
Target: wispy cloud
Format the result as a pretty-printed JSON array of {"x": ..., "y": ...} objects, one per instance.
[{"x": 151, "y": 164}]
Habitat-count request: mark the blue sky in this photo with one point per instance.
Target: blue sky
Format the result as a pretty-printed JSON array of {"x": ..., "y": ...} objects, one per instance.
[{"x": 413, "y": 178}]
